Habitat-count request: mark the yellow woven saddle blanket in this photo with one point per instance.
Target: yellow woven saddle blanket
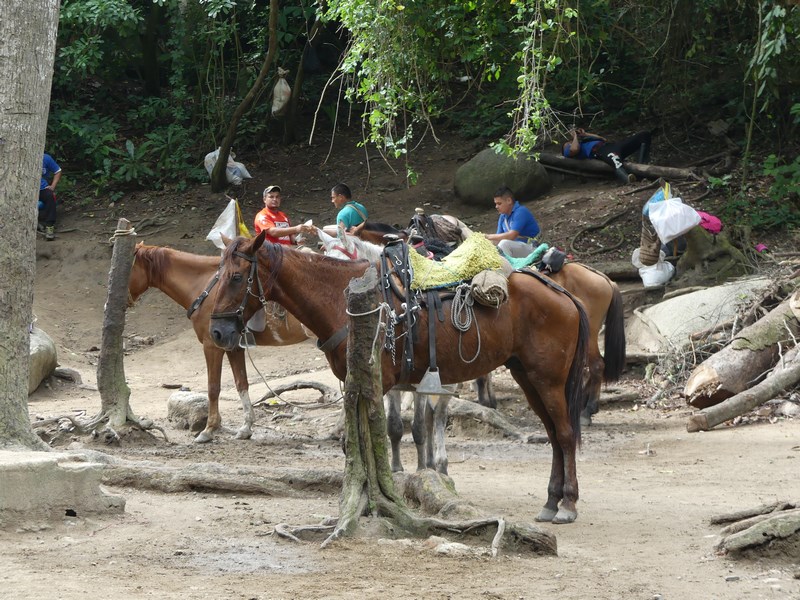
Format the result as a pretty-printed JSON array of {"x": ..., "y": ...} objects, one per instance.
[{"x": 476, "y": 254}]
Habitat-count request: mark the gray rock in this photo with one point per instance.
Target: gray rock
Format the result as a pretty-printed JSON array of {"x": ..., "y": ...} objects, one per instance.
[
  {"x": 188, "y": 410},
  {"x": 43, "y": 359},
  {"x": 476, "y": 180}
]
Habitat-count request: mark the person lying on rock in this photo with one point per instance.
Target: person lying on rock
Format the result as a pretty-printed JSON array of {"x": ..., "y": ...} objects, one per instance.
[{"x": 591, "y": 145}]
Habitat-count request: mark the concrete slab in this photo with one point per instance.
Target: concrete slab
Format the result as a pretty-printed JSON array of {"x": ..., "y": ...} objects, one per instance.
[{"x": 45, "y": 486}]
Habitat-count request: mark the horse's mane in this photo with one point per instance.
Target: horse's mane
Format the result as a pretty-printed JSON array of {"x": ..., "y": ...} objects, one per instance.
[
  {"x": 381, "y": 228},
  {"x": 155, "y": 261}
]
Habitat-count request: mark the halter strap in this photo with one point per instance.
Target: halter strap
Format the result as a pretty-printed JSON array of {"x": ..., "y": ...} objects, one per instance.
[
  {"x": 199, "y": 300},
  {"x": 333, "y": 342}
]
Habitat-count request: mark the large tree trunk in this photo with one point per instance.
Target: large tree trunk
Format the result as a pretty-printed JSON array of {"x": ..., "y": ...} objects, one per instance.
[
  {"x": 219, "y": 179},
  {"x": 751, "y": 353},
  {"x": 27, "y": 50}
]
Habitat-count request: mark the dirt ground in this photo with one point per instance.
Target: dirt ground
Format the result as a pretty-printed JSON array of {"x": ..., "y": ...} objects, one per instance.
[{"x": 648, "y": 488}]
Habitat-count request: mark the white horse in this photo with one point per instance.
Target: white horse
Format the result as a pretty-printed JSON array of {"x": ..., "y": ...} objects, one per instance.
[{"x": 430, "y": 411}]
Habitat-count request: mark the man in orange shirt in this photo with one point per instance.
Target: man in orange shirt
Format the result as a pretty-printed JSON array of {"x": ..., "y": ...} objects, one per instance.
[{"x": 275, "y": 222}]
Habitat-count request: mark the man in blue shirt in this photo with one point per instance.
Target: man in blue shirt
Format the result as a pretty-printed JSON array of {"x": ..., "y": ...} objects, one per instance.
[
  {"x": 47, "y": 197},
  {"x": 591, "y": 145},
  {"x": 516, "y": 226},
  {"x": 351, "y": 213}
]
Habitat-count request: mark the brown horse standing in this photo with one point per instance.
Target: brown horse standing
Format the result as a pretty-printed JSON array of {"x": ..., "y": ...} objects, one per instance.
[
  {"x": 184, "y": 277},
  {"x": 603, "y": 303},
  {"x": 540, "y": 334}
]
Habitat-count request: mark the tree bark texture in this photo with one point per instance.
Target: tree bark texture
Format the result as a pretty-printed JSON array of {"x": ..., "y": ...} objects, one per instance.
[
  {"x": 750, "y": 354},
  {"x": 219, "y": 178},
  {"x": 27, "y": 50},
  {"x": 745, "y": 401},
  {"x": 368, "y": 475},
  {"x": 114, "y": 390}
]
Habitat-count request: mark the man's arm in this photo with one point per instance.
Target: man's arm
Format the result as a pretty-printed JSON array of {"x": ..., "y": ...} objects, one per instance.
[
  {"x": 56, "y": 179},
  {"x": 511, "y": 234},
  {"x": 290, "y": 231}
]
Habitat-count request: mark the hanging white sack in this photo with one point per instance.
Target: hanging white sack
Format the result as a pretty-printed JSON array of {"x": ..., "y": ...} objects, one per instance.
[
  {"x": 281, "y": 94},
  {"x": 235, "y": 172},
  {"x": 672, "y": 218}
]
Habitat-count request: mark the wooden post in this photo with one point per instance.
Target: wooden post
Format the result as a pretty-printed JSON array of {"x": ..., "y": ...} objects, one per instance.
[
  {"x": 368, "y": 475},
  {"x": 114, "y": 391}
]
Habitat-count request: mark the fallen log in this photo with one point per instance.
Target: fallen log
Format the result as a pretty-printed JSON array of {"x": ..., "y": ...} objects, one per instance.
[
  {"x": 745, "y": 401},
  {"x": 777, "y": 530},
  {"x": 594, "y": 168},
  {"x": 750, "y": 354}
]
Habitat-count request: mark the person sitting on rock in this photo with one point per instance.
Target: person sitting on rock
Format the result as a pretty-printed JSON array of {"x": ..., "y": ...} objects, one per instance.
[
  {"x": 516, "y": 226},
  {"x": 591, "y": 145}
]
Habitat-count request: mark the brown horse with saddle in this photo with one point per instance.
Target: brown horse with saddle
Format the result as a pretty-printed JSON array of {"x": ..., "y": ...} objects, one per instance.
[{"x": 540, "y": 334}]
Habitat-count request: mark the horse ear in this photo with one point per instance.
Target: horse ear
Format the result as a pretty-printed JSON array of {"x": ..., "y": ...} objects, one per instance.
[
  {"x": 225, "y": 240},
  {"x": 324, "y": 237},
  {"x": 259, "y": 241}
]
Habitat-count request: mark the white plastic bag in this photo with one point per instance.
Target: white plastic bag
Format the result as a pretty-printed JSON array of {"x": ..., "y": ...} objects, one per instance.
[
  {"x": 672, "y": 218},
  {"x": 228, "y": 223},
  {"x": 235, "y": 172},
  {"x": 281, "y": 94},
  {"x": 657, "y": 274}
]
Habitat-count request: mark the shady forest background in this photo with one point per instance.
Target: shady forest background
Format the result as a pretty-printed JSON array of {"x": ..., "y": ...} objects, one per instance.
[{"x": 143, "y": 89}]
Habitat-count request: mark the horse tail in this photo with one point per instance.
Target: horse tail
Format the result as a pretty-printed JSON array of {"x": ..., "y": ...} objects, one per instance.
[
  {"x": 575, "y": 382},
  {"x": 614, "y": 348}
]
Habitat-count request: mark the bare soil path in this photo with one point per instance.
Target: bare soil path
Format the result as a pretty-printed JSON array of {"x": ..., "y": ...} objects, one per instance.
[{"x": 648, "y": 488}]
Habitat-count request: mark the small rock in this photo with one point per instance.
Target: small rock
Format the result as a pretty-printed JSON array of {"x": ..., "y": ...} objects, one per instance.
[
  {"x": 732, "y": 578},
  {"x": 789, "y": 409}
]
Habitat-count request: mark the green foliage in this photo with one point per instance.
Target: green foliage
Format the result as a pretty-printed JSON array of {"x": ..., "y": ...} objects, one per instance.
[
  {"x": 132, "y": 165},
  {"x": 760, "y": 213},
  {"x": 405, "y": 61},
  {"x": 785, "y": 187},
  {"x": 89, "y": 37}
]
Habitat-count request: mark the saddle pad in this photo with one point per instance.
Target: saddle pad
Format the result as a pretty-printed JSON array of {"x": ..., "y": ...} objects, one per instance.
[
  {"x": 476, "y": 254},
  {"x": 532, "y": 258}
]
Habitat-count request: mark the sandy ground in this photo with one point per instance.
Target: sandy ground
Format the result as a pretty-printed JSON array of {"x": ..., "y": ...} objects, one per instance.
[{"x": 648, "y": 488}]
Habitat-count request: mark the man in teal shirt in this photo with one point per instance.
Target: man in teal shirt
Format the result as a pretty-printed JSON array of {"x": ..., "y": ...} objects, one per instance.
[{"x": 351, "y": 213}]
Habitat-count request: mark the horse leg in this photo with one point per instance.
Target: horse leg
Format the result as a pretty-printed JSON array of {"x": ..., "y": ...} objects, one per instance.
[
  {"x": 213, "y": 357},
  {"x": 550, "y": 406},
  {"x": 239, "y": 368},
  {"x": 394, "y": 426},
  {"x": 485, "y": 390},
  {"x": 436, "y": 428},
  {"x": 418, "y": 429},
  {"x": 594, "y": 382}
]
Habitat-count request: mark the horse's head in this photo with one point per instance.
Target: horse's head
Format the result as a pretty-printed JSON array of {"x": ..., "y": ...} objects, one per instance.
[
  {"x": 139, "y": 281},
  {"x": 241, "y": 291}
]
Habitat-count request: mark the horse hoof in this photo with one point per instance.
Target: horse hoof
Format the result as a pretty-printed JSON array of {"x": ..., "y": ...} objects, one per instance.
[
  {"x": 586, "y": 421},
  {"x": 244, "y": 434},
  {"x": 546, "y": 515},
  {"x": 564, "y": 516},
  {"x": 203, "y": 438}
]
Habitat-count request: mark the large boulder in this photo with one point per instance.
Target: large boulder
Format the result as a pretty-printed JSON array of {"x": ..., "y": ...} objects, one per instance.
[
  {"x": 477, "y": 179},
  {"x": 43, "y": 359}
]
